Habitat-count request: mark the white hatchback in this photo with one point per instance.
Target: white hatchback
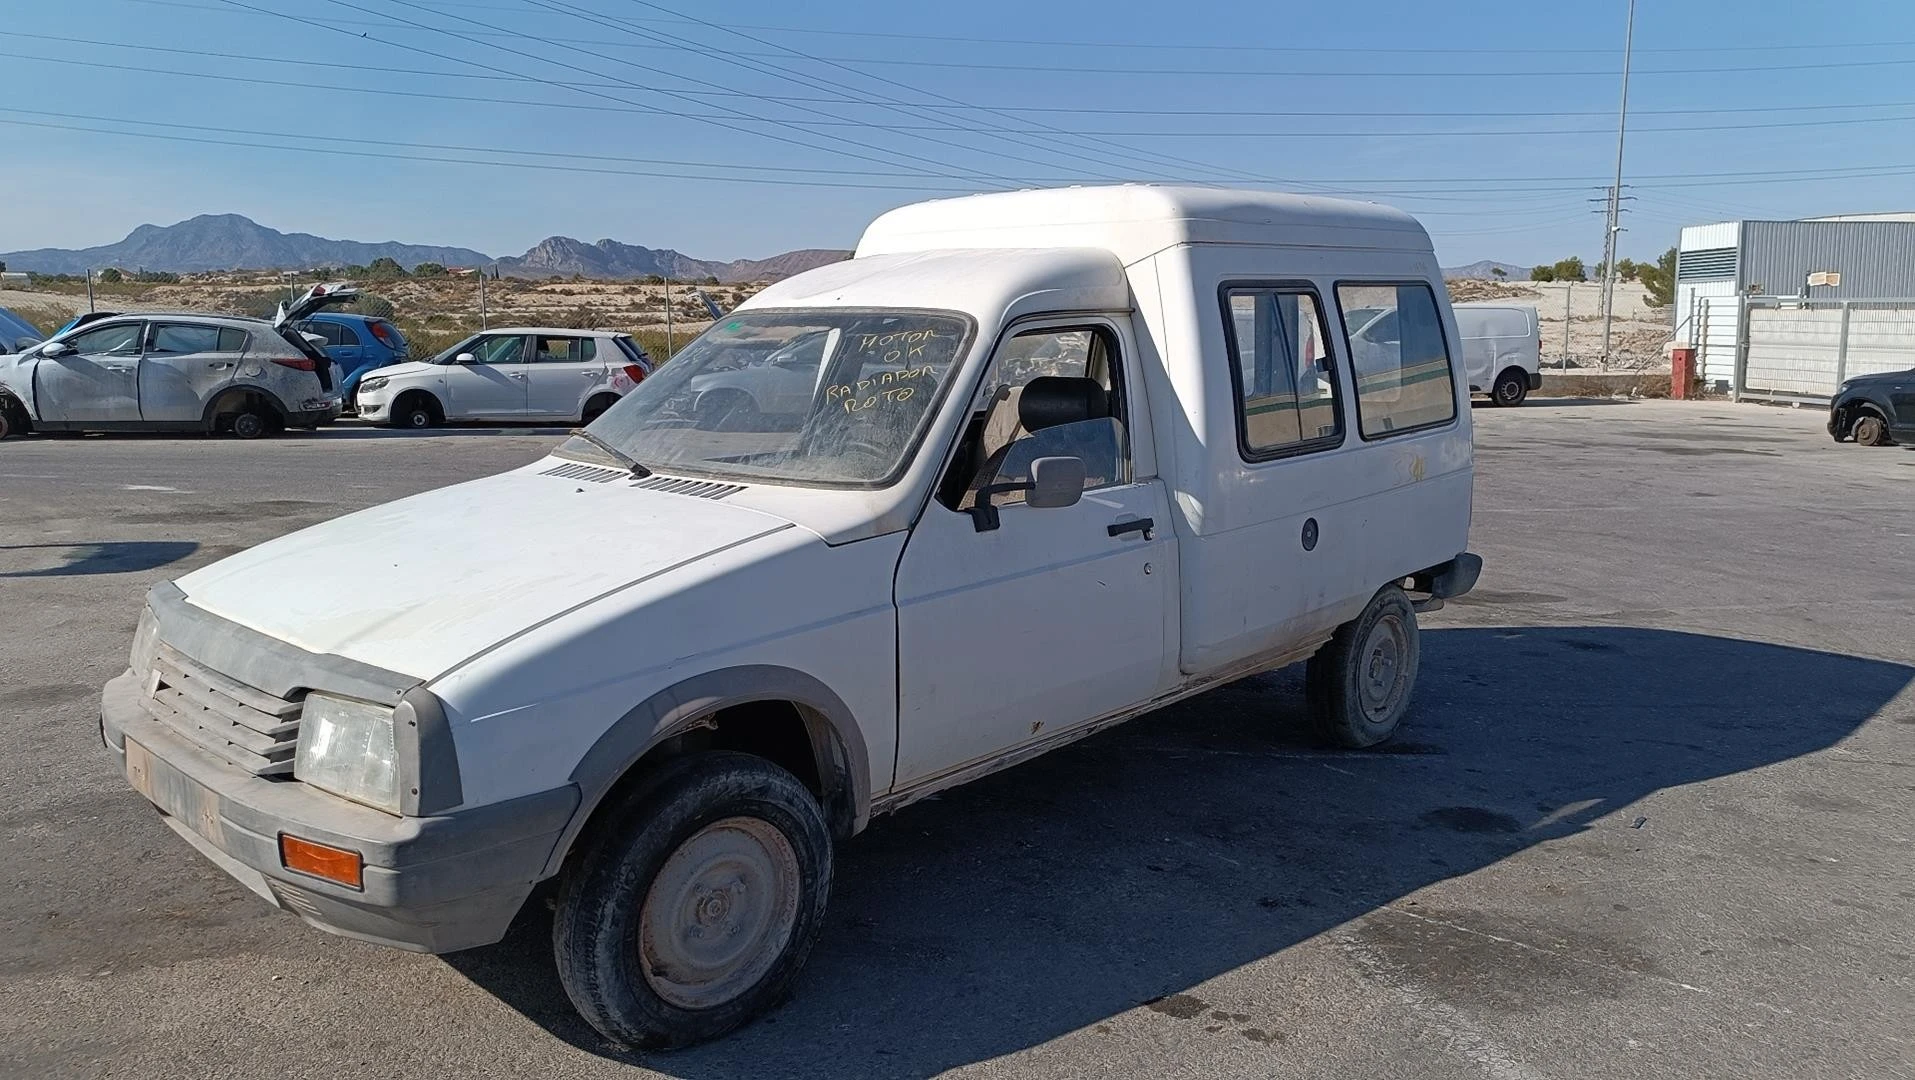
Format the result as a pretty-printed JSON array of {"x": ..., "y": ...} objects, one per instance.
[{"x": 516, "y": 373}]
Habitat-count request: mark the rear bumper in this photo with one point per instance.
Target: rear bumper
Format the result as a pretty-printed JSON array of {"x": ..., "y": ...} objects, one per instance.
[
  {"x": 313, "y": 413},
  {"x": 431, "y": 884},
  {"x": 1535, "y": 380}
]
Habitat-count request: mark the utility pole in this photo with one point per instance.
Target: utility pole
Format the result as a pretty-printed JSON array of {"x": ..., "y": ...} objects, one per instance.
[
  {"x": 484, "y": 320},
  {"x": 1615, "y": 193},
  {"x": 668, "y": 316},
  {"x": 89, "y": 290},
  {"x": 1568, "y": 294}
]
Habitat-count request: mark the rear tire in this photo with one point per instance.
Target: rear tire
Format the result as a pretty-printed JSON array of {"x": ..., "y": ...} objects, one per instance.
[
  {"x": 1510, "y": 389},
  {"x": 693, "y": 906},
  {"x": 1359, "y": 684},
  {"x": 249, "y": 423},
  {"x": 1870, "y": 430},
  {"x": 596, "y": 407}
]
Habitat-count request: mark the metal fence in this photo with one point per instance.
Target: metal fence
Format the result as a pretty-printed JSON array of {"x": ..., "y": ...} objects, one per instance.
[{"x": 1784, "y": 348}]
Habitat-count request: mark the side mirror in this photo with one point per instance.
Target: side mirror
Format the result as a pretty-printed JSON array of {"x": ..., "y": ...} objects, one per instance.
[
  {"x": 56, "y": 349},
  {"x": 465, "y": 358},
  {"x": 1056, "y": 482}
]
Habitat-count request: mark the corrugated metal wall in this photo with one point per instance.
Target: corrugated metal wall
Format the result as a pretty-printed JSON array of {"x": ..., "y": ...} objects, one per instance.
[{"x": 1876, "y": 258}]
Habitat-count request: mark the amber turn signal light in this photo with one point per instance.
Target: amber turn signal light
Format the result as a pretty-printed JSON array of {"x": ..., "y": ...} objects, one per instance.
[{"x": 321, "y": 861}]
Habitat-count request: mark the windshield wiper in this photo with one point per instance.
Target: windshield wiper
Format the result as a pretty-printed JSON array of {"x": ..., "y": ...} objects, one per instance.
[{"x": 617, "y": 455}]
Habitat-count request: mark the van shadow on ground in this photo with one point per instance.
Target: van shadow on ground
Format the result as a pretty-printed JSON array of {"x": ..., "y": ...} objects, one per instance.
[{"x": 1147, "y": 860}]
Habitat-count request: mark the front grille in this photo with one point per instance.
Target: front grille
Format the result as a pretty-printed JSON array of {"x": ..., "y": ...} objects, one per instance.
[{"x": 249, "y": 728}]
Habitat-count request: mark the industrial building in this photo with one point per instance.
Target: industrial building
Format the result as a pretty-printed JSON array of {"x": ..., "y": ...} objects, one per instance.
[{"x": 1787, "y": 309}]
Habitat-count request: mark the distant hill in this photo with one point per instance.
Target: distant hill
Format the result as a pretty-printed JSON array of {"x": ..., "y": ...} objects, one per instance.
[
  {"x": 234, "y": 242},
  {"x": 562, "y": 256},
  {"x": 229, "y": 242},
  {"x": 1485, "y": 270}
]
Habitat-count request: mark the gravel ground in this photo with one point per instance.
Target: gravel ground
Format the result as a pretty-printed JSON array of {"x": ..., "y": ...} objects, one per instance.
[{"x": 1652, "y": 815}]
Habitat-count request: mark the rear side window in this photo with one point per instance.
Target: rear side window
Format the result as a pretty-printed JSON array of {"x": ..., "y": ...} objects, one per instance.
[
  {"x": 184, "y": 338},
  {"x": 634, "y": 352},
  {"x": 1402, "y": 364},
  {"x": 231, "y": 340},
  {"x": 340, "y": 334},
  {"x": 564, "y": 350},
  {"x": 1281, "y": 365}
]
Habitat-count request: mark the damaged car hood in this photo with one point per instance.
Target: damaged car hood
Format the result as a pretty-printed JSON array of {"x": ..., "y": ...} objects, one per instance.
[{"x": 419, "y": 585}]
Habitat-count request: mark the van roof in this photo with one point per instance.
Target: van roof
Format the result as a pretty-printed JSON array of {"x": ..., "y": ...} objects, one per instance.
[
  {"x": 1135, "y": 221},
  {"x": 990, "y": 283}
]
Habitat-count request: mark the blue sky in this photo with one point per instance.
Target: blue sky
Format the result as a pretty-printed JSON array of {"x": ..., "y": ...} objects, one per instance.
[{"x": 873, "y": 104}]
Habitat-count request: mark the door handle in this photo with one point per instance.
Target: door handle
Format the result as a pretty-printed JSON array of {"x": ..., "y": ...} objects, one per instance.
[
  {"x": 221, "y": 367},
  {"x": 1135, "y": 525},
  {"x": 590, "y": 374},
  {"x": 515, "y": 375}
]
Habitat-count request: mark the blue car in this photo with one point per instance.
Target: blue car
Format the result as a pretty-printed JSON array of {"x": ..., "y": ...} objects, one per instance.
[
  {"x": 356, "y": 344},
  {"x": 16, "y": 334}
]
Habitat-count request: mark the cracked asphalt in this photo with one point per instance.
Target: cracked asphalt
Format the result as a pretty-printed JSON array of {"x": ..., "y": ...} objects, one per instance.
[{"x": 1653, "y": 814}]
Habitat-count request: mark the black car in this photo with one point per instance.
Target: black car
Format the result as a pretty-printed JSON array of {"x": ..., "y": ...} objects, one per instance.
[{"x": 1875, "y": 410}]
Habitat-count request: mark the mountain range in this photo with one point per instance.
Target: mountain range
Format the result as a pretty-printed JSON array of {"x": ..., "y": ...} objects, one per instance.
[
  {"x": 235, "y": 242},
  {"x": 1485, "y": 270}
]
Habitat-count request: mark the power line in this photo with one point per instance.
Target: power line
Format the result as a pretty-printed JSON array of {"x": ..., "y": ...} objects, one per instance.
[
  {"x": 1462, "y": 50},
  {"x": 1130, "y": 151},
  {"x": 972, "y": 176},
  {"x": 385, "y": 69}
]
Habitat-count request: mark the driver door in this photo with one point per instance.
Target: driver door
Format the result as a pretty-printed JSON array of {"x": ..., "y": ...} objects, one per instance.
[
  {"x": 98, "y": 382},
  {"x": 1056, "y": 616},
  {"x": 494, "y": 385}
]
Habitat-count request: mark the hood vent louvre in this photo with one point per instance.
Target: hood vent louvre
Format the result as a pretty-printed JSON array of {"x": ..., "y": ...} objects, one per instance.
[
  {"x": 697, "y": 489},
  {"x": 579, "y": 471}
]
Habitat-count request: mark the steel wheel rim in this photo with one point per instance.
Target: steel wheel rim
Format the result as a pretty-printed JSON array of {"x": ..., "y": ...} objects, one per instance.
[
  {"x": 719, "y": 913},
  {"x": 1382, "y": 671},
  {"x": 418, "y": 418},
  {"x": 1510, "y": 394},
  {"x": 246, "y": 425}
]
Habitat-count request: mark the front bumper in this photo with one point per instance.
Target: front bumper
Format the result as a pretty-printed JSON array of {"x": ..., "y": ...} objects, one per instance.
[{"x": 431, "y": 884}]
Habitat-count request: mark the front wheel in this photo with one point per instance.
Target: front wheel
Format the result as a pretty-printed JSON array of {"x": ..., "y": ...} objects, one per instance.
[
  {"x": 1870, "y": 430},
  {"x": 1511, "y": 389},
  {"x": 693, "y": 909},
  {"x": 1359, "y": 684}
]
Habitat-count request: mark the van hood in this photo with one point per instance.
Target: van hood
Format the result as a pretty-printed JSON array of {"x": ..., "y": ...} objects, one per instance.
[{"x": 420, "y": 585}]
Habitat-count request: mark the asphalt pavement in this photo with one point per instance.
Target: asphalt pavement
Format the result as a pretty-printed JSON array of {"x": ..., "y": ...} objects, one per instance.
[{"x": 1653, "y": 814}]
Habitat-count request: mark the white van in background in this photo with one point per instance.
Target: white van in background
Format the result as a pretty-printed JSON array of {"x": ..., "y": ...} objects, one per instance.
[{"x": 1502, "y": 347}]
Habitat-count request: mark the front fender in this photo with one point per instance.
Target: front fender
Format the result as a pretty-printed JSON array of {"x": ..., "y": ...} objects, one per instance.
[
  {"x": 837, "y": 741},
  {"x": 16, "y": 378}
]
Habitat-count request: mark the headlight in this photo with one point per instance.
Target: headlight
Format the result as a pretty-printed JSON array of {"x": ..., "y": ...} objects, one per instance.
[
  {"x": 371, "y": 384},
  {"x": 345, "y": 747},
  {"x": 146, "y": 643}
]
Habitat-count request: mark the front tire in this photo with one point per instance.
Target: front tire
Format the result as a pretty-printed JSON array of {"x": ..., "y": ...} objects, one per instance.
[
  {"x": 1359, "y": 684},
  {"x": 693, "y": 908},
  {"x": 1870, "y": 430},
  {"x": 1510, "y": 389}
]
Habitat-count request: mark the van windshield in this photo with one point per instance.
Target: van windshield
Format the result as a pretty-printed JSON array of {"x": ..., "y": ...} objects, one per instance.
[{"x": 833, "y": 398}]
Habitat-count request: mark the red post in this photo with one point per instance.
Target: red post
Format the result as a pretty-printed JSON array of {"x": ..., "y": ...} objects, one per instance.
[{"x": 1682, "y": 372}]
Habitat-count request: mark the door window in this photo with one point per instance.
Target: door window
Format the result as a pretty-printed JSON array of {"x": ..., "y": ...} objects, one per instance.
[
  {"x": 500, "y": 350},
  {"x": 563, "y": 350},
  {"x": 231, "y": 340},
  {"x": 177, "y": 338},
  {"x": 1053, "y": 393},
  {"x": 340, "y": 334},
  {"x": 1283, "y": 371},
  {"x": 122, "y": 339},
  {"x": 1402, "y": 364}
]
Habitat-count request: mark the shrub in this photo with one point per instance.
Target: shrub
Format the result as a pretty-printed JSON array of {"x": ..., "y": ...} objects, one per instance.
[
  {"x": 111, "y": 276},
  {"x": 429, "y": 269}
]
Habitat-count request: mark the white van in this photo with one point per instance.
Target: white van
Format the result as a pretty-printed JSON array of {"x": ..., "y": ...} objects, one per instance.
[
  {"x": 1064, "y": 457},
  {"x": 1502, "y": 347}
]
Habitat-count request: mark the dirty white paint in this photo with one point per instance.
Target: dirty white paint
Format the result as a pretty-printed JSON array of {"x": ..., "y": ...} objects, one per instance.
[{"x": 152, "y": 487}]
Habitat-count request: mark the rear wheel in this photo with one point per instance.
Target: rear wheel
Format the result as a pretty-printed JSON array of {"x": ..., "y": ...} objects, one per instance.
[
  {"x": 596, "y": 407},
  {"x": 1359, "y": 684},
  {"x": 1870, "y": 430},
  {"x": 13, "y": 418},
  {"x": 693, "y": 908},
  {"x": 1511, "y": 388},
  {"x": 250, "y": 422}
]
